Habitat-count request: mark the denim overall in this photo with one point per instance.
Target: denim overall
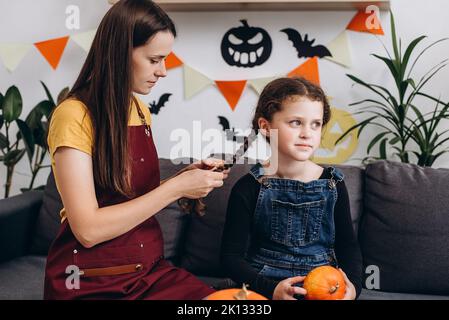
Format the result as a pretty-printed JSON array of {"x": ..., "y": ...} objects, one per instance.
[{"x": 294, "y": 228}]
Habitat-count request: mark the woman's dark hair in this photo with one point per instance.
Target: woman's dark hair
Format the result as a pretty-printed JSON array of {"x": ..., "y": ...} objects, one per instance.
[
  {"x": 104, "y": 85},
  {"x": 277, "y": 91}
]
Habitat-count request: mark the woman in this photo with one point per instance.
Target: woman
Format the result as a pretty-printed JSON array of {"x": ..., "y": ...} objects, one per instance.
[{"x": 107, "y": 172}]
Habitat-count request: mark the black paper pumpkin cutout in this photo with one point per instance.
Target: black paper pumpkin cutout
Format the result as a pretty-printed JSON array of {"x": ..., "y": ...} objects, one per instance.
[{"x": 246, "y": 46}]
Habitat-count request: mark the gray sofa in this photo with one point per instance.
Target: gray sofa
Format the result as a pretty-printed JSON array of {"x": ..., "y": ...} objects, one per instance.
[{"x": 400, "y": 213}]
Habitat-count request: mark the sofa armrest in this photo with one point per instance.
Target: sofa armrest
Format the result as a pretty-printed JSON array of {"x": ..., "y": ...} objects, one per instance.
[{"x": 18, "y": 215}]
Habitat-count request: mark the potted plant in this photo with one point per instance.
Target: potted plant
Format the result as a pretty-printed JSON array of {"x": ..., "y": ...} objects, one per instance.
[
  {"x": 32, "y": 133},
  {"x": 402, "y": 122}
]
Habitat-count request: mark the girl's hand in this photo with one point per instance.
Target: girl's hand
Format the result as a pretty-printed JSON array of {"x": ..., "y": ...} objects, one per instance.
[
  {"x": 285, "y": 290},
  {"x": 350, "y": 293}
]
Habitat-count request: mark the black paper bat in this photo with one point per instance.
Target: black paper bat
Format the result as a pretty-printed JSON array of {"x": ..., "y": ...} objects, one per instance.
[
  {"x": 304, "y": 47},
  {"x": 230, "y": 134},
  {"x": 156, "y": 107}
]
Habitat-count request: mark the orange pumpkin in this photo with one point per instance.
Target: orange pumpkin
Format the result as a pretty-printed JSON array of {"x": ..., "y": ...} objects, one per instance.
[
  {"x": 236, "y": 294},
  {"x": 325, "y": 283}
]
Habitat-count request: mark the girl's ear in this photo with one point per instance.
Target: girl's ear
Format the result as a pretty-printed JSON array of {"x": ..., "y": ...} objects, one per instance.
[{"x": 264, "y": 127}]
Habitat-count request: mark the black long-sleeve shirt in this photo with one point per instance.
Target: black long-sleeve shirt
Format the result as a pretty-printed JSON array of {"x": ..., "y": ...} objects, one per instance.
[{"x": 238, "y": 230}]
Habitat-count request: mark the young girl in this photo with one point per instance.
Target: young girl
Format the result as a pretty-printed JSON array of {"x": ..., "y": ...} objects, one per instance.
[
  {"x": 282, "y": 225},
  {"x": 106, "y": 167}
]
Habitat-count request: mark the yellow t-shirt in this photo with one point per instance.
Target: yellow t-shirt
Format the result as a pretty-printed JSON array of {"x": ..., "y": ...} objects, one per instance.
[{"x": 71, "y": 126}]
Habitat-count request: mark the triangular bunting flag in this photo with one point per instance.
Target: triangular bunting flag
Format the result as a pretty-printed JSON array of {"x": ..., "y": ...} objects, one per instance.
[
  {"x": 172, "y": 61},
  {"x": 340, "y": 51},
  {"x": 365, "y": 22},
  {"x": 194, "y": 82},
  {"x": 12, "y": 54},
  {"x": 232, "y": 91},
  {"x": 84, "y": 40},
  {"x": 52, "y": 50},
  {"x": 260, "y": 83},
  {"x": 308, "y": 70}
]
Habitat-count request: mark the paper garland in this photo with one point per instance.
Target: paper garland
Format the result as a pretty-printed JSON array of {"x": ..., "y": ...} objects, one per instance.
[
  {"x": 194, "y": 81},
  {"x": 340, "y": 50},
  {"x": 52, "y": 50},
  {"x": 12, "y": 54},
  {"x": 365, "y": 22},
  {"x": 85, "y": 39}
]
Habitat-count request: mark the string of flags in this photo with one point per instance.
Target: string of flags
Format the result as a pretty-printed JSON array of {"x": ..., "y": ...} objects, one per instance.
[{"x": 52, "y": 50}]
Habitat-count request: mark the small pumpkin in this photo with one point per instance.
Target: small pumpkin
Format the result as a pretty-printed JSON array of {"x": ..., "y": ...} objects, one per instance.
[
  {"x": 236, "y": 294},
  {"x": 324, "y": 283}
]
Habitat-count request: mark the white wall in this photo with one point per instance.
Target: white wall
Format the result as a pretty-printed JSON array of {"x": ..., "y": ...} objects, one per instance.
[{"x": 198, "y": 44}]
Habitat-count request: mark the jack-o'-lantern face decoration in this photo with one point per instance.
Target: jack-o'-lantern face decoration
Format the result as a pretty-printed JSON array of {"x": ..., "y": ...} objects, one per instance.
[
  {"x": 333, "y": 154},
  {"x": 246, "y": 46}
]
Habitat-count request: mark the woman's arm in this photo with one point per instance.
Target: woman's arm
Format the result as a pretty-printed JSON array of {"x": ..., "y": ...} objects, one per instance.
[
  {"x": 347, "y": 248},
  {"x": 92, "y": 225}
]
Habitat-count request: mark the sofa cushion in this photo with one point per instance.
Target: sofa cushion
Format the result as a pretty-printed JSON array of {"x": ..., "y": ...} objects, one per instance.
[
  {"x": 22, "y": 278},
  {"x": 405, "y": 227},
  {"x": 48, "y": 221},
  {"x": 172, "y": 220},
  {"x": 201, "y": 253},
  {"x": 354, "y": 181}
]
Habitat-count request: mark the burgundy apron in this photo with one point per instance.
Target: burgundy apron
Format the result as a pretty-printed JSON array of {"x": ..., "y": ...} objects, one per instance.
[{"x": 131, "y": 266}]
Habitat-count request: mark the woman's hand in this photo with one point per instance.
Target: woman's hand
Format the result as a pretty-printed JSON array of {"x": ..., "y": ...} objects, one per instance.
[
  {"x": 285, "y": 290},
  {"x": 350, "y": 293},
  {"x": 196, "y": 183},
  {"x": 207, "y": 164}
]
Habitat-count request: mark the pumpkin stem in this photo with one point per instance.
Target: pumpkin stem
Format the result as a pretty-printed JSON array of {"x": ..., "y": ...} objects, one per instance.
[
  {"x": 242, "y": 294},
  {"x": 334, "y": 288},
  {"x": 245, "y": 23}
]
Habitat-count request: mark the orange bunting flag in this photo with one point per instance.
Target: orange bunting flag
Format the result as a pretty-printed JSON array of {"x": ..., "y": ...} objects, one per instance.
[
  {"x": 308, "y": 70},
  {"x": 172, "y": 61},
  {"x": 52, "y": 50},
  {"x": 232, "y": 91},
  {"x": 366, "y": 22}
]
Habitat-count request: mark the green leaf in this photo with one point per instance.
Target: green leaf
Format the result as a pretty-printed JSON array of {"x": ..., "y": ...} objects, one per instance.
[
  {"x": 412, "y": 83},
  {"x": 368, "y": 86},
  {"x": 12, "y": 104},
  {"x": 383, "y": 149},
  {"x": 63, "y": 94},
  {"x": 390, "y": 65},
  {"x": 50, "y": 98},
  {"x": 393, "y": 37},
  {"x": 408, "y": 53},
  {"x": 28, "y": 139},
  {"x": 14, "y": 156},
  {"x": 361, "y": 124},
  {"x": 45, "y": 107},
  {"x": 422, "y": 53},
  {"x": 40, "y": 137},
  {"x": 1, "y": 121},
  {"x": 375, "y": 140},
  {"x": 3, "y": 141},
  {"x": 1, "y": 101},
  {"x": 34, "y": 118},
  {"x": 395, "y": 140}
]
